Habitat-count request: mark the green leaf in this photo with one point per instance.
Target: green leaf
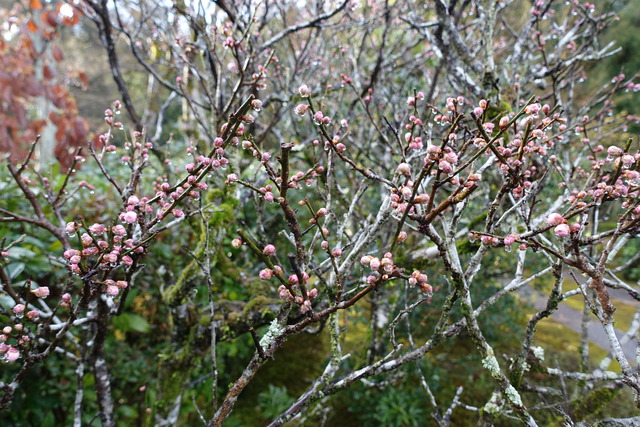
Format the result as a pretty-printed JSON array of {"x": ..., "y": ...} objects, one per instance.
[
  {"x": 17, "y": 252},
  {"x": 14, "y": 269},
  {"x": 131, "y": 322}
]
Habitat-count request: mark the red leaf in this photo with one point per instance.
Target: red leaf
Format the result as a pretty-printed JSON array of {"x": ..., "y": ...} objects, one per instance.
[
  {"x": 35, "y": 4},
  {"x": 50, "y": 18},
  {"x": 48, "y": 72},
  {"x": 84, "y": 80},
  {"x": 57, "y": 53},
  {"x": 32, "y": 26}
]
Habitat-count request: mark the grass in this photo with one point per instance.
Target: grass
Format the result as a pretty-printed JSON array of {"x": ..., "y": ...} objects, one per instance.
[
  {"x": 624, "y": 311},
  {"x": 623, "y": 315},
  {"x": 554, "y": 337}
]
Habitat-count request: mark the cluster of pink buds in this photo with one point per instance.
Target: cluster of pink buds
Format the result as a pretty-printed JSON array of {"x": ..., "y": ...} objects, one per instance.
[
  {"x": 384, "y": 268},
  {"x": 9, "y": 353},
  {"x": 411, "y": 101},
  {"x": 420, "y": 279},
  {"x": 112, "y": 288},
  {"x": 489, "y": 240},
  {"x": 415, "y": 142},
  {"x": 307, "y": 177},
  {"x": 193, "y": 185},
  {"x": 267, "y": 193},
  {"x": 305, "y": 304},
  {"x": 453, "y": 103},
  {"x": 133, "y": 207},
  {"x": 231, "y": 179},
  {"x": 320, "y": 119},
  {"x": 620, "y": 158},
  {"x": 109, "y": 113},
  {"x": 446, "y": 158},
  {"x": 140, "y": 148},
  {"x": 401, "y": 197},
  {"x": 93, "y": 244},
  {"x": 481, "y": 108},
  {"x": 510, "y": 239},
  {"x": 259, "y": 78},
  {"x": 16, "y": 333},
  {"x": 345, "y": 80},
  {"x": 65, "y": 299},
  {"x": 562, "y": 229}
]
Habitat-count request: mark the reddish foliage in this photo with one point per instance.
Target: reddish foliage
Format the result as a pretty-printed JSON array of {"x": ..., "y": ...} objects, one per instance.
[{"x": 27, "y": 77}]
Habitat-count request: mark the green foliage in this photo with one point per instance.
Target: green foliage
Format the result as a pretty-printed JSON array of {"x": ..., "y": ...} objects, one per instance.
[
  {"x": 273, "y": 401},
  {"x": 593, "y": 402}
]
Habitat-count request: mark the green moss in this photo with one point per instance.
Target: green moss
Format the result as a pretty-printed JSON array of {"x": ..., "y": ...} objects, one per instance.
[
  {"x": 258, "y": 301},
  {"x": 465, "y": 246},
  {"x": 593, "y": 402},
  {"x": 478, "y": 220},
  {"x": 554, "y": 336}
]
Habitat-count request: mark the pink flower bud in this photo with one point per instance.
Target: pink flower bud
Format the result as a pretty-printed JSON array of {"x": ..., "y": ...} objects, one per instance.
[
  {"x": 70, "y": 228},
  {"x": 445, "y": 166},
  {"x": 402, "y": 236},
  {"x": 504, "y": 122},
  {"x": 404, "y": 169},
  {"x": 555, "y": 219},
  {"x": 33, "y": 314},
  {"x": 265, "y": 274},
  {"x": 97, "y": 229},
  {"x": 41, "y": 292},
  {"x": 12, "y": 354},
  {"x": 366, "y": 260},
  {"x": 301, "y": 110},
  {"x": 236, "y": 243},
  {"x": 18, "y": 308},
  {"x": 562, "y": 230},
  {"x": 421, "y": 198},
  {"x": 269, "y": 250},
  {"x": 119, "y": 230},
  {"x": 304, "y": 91},
  {"x": 510, "y": 239},
  {"x": 130, "y": 217},
  {"x": 113, "y": 290},
  {"x": 532, "y": 109},
  {"x": 614, "y": 151}
]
